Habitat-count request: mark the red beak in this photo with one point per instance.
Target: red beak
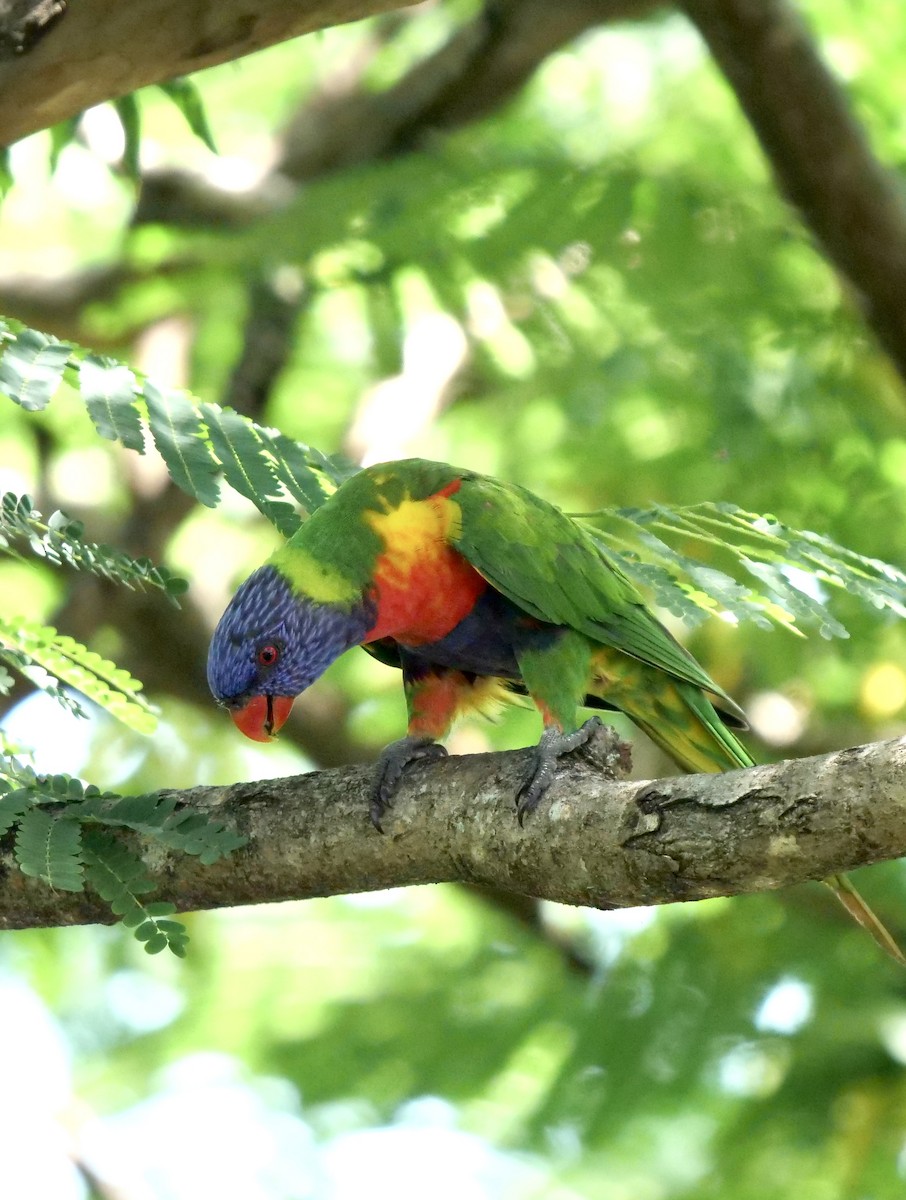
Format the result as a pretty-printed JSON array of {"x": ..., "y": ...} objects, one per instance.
[{"x": 262, "y": 716}]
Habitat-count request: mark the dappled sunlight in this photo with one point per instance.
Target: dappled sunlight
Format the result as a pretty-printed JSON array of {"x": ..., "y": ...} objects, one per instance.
[{"x": 596, "y": 292}]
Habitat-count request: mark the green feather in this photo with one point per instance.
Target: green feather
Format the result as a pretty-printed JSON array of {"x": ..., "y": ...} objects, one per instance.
[{"x": 553, "y": 568}]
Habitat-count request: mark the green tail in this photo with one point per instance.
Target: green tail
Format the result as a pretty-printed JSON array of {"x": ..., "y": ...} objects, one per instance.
[{"x": 681, "y": 719}]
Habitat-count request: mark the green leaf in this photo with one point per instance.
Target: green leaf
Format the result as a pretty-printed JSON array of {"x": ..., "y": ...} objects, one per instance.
[
  {"x": 246, "y": 468},
  {"x": 186, "y": 97},
  {"x": 145, "y": 813},
  {"x": 6, "y": 175},
  {"x": 62, "y": 135},
  {"x": 296, "y": 472},
  {"x": 60, "y": 540},
  {"x": 795, "y": 572},
  {"x": 12, "y": 805},
  {"x": 179, "y": 436},
  {"x": 119, "y": 877},
  {"x": 108, "y": 389},
  {"x": 49, "y": 848},
  {"x": 31, "y": 368},
  {"x": 99, "y": 679},
  {"x": 130, "y": 118},
  {"x": 155, "y": 815}
]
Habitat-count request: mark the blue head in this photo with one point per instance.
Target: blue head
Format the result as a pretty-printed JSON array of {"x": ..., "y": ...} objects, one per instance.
[{"x": 270, "y": 644}]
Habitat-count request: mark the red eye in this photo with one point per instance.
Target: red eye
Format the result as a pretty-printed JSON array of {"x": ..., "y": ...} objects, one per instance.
[{"x": 267, "y": 655}]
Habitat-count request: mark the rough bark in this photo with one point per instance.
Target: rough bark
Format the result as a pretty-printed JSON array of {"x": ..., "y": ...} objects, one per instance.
[
  {"x": 24, "y": 22},
  {"x": 95, "y": 50},
  {"x": 595, "y": 840}
]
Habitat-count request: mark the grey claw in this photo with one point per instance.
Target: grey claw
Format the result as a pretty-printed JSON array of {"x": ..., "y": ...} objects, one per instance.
[
  {"x": 390, "y": 766},
  {"x": 551, "y": 747}
]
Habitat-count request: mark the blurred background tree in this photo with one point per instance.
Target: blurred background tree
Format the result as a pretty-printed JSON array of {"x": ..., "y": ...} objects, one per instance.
[{"x": 552, "y": 251}]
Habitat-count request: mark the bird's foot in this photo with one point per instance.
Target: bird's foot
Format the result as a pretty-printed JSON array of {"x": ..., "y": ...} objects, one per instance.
[
  {"x": 390, "y": 766},
  {"x": 552, "y": 746}
]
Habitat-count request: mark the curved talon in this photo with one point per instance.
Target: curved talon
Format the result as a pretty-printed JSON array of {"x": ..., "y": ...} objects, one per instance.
[
  {"x": 551, "y": 747},
  {"x": 393, "y": 761}
]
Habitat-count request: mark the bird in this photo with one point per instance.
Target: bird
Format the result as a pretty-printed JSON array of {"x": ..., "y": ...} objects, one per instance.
[{"x": 480, "y": 591}]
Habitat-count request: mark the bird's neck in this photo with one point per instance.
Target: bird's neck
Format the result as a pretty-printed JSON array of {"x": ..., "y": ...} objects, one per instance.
[{"x": 389, "y": 551}]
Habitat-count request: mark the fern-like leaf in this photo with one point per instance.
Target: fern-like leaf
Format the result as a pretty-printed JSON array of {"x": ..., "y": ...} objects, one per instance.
[
  {"x": 31, "y": 368},
  {"x": 157, "y": 816},
  {"x": 200, "y": 834},
  {"x": 49, "y": 847},
  {"x": 240, "y": 450},
  {"x": 39, "y": 678},
  {"x": 63, "y": 657},
  {"x": 13, "y": 803},
  {"x": 60, "y": 540},
  {"x": 196, "y": 445},
  {"x": 108, "y": 388},
  {"x": 62, "y": 837},
  {"x": 300, "y": 469},
  {"x": 179, "y": 436},
  {"x": 770, "y": 573},
  {"x": 119, "y": 877}
]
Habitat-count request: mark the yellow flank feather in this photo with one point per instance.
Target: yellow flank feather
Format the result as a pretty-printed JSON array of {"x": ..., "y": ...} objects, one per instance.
[
  {"x": 437, "y": 701},
  {"x": 486, "y": 696}
]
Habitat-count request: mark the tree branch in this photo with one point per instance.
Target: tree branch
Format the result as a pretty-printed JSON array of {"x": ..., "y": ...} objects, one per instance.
[
  {"x": 817, "y": 149},
  {"x": 97, "y": 49},
  {"x": 595, "y": 841}
]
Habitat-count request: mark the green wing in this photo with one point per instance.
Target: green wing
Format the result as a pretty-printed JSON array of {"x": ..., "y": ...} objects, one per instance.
[{"x": 552, "y": 567}]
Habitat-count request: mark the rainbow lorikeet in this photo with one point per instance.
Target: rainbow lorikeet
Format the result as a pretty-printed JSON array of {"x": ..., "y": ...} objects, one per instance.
[{"x": 477, "y": 589}]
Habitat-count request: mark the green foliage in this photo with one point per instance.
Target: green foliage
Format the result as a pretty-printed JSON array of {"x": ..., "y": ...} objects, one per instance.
[
  {"x": 793, "y": 568},
  {"x": 26, "y": 645},
  {"x": 108, "y": 389},
  {"x": 31, "y": 368},
  {"x": 63, "y": 837},
  {"x": 61, "y": 541},
  {"x": 644, "y": 321},
  {"x": 196, "y": 442},
  {"x": 187, "y": 98},
  {"x": 49, "y": 847},
  {"x": 128, "y": 111},
  {"x": 181, "y": 92},
  {"x": 119, "y": 878},
  {"x": 794, "y": 571}
]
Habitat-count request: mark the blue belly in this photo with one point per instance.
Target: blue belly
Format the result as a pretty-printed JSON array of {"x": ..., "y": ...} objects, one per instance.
[{"x": 485, "y": 642}]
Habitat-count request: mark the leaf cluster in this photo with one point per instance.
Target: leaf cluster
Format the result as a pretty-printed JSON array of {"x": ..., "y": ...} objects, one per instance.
[
  {"x": 768, "y": 572},
  {"x": 181, "y": 91},
  {"x": 64, "y": 835},
  {"x": 795, "y": 571},
  {"x": 61, "y": 541},
  {"x": 199, "y": 443},
  {"x": 48, "y": 658}
]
